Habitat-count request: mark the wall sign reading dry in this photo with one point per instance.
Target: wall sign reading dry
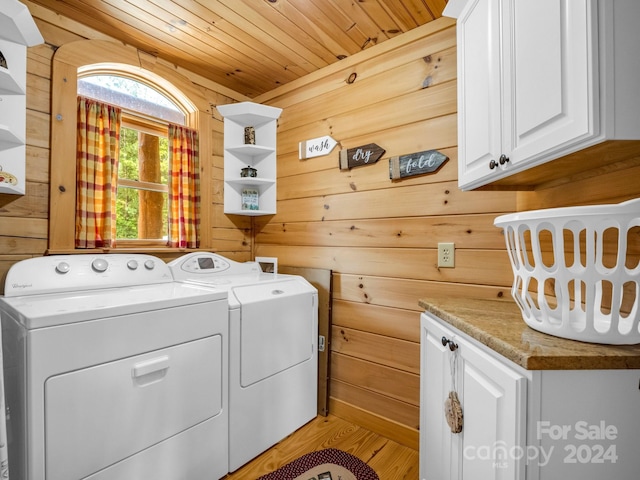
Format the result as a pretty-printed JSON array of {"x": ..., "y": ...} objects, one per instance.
[
  {"x": 415, "y": 164},
  {"x": 316, "y": 147},
  {"x": 357, "y": 156}
]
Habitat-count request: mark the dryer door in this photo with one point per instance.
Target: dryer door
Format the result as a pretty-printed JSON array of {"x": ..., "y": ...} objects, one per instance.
[
  {"x": 276, "y": 328},
  {"x": 99, "y": 415}
]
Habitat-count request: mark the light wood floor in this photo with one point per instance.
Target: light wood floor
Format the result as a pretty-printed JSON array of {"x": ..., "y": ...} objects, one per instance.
[{"x": 390, "y": 460}]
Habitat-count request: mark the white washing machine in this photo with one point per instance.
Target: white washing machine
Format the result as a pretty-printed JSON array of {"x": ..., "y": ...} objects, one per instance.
[
  {"x": 273, "y": 362},
  {"x": 113, "y": 371}
]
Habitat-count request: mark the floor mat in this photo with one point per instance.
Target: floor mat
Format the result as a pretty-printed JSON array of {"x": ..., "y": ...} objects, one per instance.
[{"x": 329, "y": 464}]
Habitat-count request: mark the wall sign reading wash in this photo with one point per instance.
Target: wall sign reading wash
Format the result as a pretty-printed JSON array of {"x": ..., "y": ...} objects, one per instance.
[
  {"x": 416, "y": 164},
  {"x": 316, "y": 147}
]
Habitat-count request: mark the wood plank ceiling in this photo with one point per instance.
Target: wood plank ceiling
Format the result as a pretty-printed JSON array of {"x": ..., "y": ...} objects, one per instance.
[{"x": 250, "y": 46}]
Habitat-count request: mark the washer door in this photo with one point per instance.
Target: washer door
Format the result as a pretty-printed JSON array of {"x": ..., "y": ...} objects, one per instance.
[
  {"x": 100, "y": 415},
  {"x": 276, "y": 328}
]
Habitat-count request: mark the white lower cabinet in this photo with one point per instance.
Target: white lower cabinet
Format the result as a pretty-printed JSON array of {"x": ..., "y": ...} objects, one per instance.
[
  {"x": 533, "y": 424},
  {"x": 493, "y": 398}
]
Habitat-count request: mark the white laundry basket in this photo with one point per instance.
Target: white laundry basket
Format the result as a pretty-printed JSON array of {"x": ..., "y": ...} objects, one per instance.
[{"x": 566, "y": 282}]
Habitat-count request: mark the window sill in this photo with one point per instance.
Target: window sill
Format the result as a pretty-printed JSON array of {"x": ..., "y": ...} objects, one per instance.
[{"x": 127, "y": 249}]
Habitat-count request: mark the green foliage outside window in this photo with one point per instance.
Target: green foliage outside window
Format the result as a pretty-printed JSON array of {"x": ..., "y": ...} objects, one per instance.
[{"x": 128, "y": 203}]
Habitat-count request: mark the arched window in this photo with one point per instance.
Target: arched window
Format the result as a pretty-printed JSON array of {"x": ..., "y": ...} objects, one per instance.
[
  {"x": 150, "y": 100},
  {"x": 143, "y": 166}
]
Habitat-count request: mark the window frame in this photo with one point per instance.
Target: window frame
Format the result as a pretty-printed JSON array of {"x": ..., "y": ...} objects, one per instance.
[
  {"x": 131, "y": 121},
  {"x": 78, "y": 58}
]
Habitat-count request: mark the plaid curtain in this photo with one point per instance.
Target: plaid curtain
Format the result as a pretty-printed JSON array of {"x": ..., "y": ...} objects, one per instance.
[
  {"x": 184, "y": 187},
  {"x": 98, "y": 142}
]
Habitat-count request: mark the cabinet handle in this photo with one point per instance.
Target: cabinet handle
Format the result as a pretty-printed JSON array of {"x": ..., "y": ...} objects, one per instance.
[
  {"x": 452, "y": 346},
  {"x": 493, "y": 164}
]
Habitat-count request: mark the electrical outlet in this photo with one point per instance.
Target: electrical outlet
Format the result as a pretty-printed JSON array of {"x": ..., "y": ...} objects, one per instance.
[{"x": 446, "y": 255}]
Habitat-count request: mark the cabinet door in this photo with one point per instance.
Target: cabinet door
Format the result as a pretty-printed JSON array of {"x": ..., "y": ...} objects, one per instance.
[
  {"x": 494, "y": 407},
  {"x": 553, "y": 85},
  {"x": 493, "y": 397},
  {"x": 528, "y": 84},
  {"x": 479, "y": 90},
  {"x": 436, "y": 461}
]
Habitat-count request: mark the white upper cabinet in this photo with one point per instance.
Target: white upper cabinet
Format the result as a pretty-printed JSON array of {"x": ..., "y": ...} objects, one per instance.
[
  {"x": 539, "y": 79},
  {"x": 17, "y": 32}
]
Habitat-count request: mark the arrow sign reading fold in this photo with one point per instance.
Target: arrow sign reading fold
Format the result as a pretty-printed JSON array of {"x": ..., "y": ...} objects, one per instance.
[
  {"x": 363, "y": 155},
  {"x": 316, "y": 147},
  {"x": 415, "y": 164}
]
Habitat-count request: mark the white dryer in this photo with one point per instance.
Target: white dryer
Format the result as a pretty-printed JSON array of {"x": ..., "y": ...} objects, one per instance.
[
  {"x": 273, "y": 333},
  {"x": 113, "y": 371}
]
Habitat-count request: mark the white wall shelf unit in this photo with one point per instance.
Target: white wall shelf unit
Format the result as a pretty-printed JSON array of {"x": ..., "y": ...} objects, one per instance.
[
  {"x": 260, "y": 156},
  {"x": 17, "y": 32},
  {"x": 8, "y": 83}
]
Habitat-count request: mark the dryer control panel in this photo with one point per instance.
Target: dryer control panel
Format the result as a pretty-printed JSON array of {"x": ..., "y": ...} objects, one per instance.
[{"x": 207, "y": 263}]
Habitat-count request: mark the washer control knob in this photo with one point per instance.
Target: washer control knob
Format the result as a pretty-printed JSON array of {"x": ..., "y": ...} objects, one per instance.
[
  {"x": 99, "y": 264},
  {"x": 149, "y": 264},
  {"x": 63, "y": 267},
  {"x": 132, "y": 264}
]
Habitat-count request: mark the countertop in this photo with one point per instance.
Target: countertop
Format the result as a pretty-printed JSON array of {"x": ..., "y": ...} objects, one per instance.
[{"x": 498, "y": 324}]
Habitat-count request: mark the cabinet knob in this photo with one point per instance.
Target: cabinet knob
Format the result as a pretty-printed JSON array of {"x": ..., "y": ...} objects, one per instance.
[
  {"x": 452, "y": 346},
  {"x": 503, "y": 159},
  {"x": 493, "y": 164}
]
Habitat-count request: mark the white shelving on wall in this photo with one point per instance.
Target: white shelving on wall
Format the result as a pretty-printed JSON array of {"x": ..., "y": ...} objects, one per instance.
[
  {"x": 17, "y": 32},
  {"x": 261, "y": 156}
]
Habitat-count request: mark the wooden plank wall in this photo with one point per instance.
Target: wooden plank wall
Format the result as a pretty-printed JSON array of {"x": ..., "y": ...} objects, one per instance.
[{"x": 380, "y": 237}]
